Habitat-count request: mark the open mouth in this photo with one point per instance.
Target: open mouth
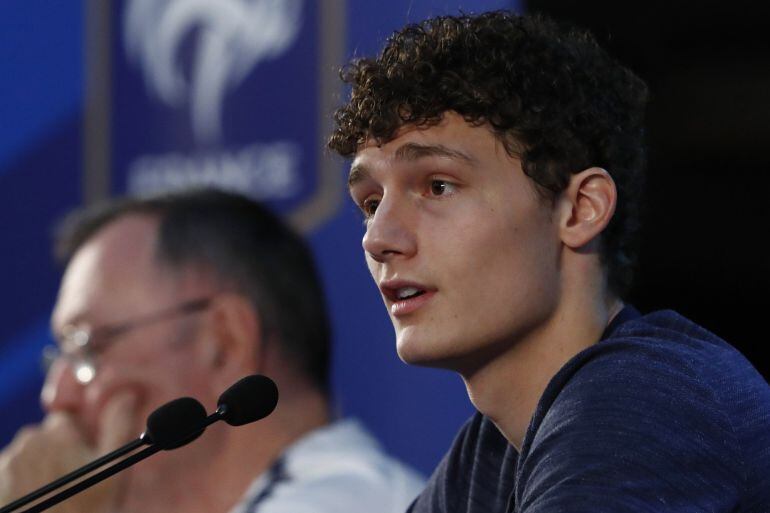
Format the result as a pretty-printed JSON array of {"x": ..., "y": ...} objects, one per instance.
[
  {"x": 408, "y": 293},
  {"x": 405, "y": 297},
  {"x": 396, "y": 292}
]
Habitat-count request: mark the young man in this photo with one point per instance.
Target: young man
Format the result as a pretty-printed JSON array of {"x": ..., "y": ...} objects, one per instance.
[
  {"x": 497, "y": 162},
  {"x": 182, "y": 295}
]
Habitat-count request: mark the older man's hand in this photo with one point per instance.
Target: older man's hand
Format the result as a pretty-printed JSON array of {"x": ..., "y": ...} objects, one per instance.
[{"x": 39, "y": 454}]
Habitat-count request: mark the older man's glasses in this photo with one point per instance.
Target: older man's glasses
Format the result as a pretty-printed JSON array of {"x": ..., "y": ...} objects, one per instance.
[{"x": 80, "y": 347}]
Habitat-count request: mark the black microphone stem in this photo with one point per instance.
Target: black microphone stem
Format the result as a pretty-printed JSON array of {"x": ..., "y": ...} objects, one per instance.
[
  {"x": 121, "y": 465},
  {"x": 75, "y": 474},
  {"x": 94, "y": 479}
]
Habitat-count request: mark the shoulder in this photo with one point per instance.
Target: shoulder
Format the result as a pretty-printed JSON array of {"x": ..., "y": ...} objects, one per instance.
[
  {"x": 644, "y": 416},
  {"x": 660, "y": 356}
]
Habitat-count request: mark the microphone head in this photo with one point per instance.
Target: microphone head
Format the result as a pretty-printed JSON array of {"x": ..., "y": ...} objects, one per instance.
[
  {"x": 176, "y": 423},
  {"x": 248, "y": 400}
]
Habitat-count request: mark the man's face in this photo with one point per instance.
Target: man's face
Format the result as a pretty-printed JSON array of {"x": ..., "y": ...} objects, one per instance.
[
  {"x": 113, "y": 279},
  {"x": 463, "y": 250}
]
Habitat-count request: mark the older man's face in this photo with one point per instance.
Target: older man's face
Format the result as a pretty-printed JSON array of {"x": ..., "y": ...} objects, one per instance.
[{"x": 114, "y": 279}]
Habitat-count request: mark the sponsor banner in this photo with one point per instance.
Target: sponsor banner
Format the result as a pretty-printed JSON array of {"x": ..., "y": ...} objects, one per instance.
[{"x": 223, "y": 93}]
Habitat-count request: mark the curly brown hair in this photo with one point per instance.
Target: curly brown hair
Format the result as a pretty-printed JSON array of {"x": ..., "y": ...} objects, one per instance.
[{"x": 554, "y": 98}]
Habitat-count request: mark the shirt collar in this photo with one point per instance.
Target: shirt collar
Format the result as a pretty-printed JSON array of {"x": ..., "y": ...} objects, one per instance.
[{"x": 626, "y": 314}]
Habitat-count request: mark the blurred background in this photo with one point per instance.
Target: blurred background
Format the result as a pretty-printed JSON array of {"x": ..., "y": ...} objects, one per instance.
[{"x": 109, "y": 97}]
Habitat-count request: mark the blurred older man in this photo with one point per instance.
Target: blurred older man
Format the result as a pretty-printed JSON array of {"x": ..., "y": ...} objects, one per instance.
[{"x": 181, "y": 296}]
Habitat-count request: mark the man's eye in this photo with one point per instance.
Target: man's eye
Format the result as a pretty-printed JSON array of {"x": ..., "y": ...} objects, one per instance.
[
  {"x": 441, "y": 187},
  {"x": 369, "y": 206}
]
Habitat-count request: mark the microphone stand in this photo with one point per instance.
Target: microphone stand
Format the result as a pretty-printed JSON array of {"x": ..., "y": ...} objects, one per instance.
[
  {"x": 96, "y": 478},
  {"x": 75, "y": 474},
  {"x": 123, "y": 464}
]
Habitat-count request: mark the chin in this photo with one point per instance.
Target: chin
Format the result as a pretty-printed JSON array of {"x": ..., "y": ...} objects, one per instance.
[
  {"x": 424, "y": 353},
  {"x": 411, "y": 350}
]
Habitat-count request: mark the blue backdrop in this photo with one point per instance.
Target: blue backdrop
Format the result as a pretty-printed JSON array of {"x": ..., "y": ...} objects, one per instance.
[{"x": 192, "y": 97}]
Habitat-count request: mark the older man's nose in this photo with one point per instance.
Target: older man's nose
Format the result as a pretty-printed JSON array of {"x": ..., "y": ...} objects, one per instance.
[{"x": 61, "y": 391}]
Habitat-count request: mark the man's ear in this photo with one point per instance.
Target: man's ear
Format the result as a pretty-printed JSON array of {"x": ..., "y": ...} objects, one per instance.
[
  {"x": 233, "y": 345},
  {"x": 586, "y": 206}
]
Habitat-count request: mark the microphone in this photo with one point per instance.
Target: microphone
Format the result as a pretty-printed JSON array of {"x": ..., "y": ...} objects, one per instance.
[
  {"x": 183, "y": 415},
  {"x": 163, "y": 427},
  {"x": 248, "y": 400}
]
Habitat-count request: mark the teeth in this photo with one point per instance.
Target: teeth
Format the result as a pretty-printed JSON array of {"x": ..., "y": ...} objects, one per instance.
[{"x": 407, "y": 292}]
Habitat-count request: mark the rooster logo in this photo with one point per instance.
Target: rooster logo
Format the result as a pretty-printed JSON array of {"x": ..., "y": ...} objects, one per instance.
[{"x": 233, "y": 36}]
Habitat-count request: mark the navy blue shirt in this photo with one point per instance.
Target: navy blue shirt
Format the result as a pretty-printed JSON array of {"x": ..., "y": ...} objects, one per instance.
[{"x": 659, "y": 416}]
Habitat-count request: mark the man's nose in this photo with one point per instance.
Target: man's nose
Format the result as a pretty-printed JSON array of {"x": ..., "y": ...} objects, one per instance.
[
  {"x": 390, "y": 232},
  {"x": 61, "y": 391}
]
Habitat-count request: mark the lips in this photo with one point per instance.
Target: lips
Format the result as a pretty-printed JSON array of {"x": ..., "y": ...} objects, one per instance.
[{"x": 405, "y": 297}]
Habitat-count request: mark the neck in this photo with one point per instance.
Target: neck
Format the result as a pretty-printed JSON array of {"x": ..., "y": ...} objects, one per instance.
[
  {"x": 508, "y": 388},
  {"x": 228, "y": 459}
]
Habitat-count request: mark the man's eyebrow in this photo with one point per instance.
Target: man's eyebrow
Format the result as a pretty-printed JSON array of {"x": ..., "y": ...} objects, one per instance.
[
  {"x": 357, "y": 173},
  {"x": 411, "y": 152},
  {"x": 415, "y": 151}
]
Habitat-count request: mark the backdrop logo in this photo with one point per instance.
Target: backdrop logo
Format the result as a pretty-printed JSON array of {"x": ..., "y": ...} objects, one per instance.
[
  {"x": 264, "y": 171},
  {"x": 231, "y": 38}
]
